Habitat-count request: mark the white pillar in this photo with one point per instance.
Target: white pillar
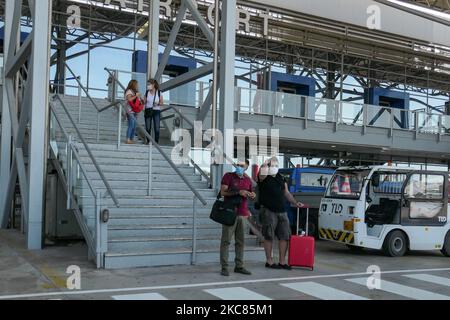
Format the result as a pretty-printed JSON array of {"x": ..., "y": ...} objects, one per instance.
[
  {"x": 39, "y": 116},
  {"x": 227, "y": 75},
  {"x": 153, "y": 39},
  {"x": 6, "y": 134}
]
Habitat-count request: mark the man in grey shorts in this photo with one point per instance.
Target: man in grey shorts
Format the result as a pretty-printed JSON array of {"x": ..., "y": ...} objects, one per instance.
[{"x": 273, "y": 191}]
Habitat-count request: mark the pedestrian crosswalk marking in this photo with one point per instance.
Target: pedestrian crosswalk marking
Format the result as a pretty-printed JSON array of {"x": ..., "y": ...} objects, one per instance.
[
  {"x": 143, "y": 296},
  {"x": 403, "y": 290},
  {"x": 430, "y": 278},
  {"x": 322, "y": 292},
  {"x": 236, "y": 293}
]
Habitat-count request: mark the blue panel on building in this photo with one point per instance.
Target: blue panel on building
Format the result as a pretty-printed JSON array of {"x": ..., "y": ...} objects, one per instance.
[
  {"x": 304, "y": 86},
  {"x": 184, "y": 95},
  {"x": 389, "y": 98},
  {"x": 180, "y": 64}
]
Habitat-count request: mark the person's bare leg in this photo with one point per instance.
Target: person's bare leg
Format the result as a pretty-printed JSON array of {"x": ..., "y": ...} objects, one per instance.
[
  {"x": 283, "y": 244},
  {"x": 268, "y": 249}
]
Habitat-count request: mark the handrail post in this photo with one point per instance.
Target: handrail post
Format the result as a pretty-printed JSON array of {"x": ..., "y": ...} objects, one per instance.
[
  {"x": 194, "y": 232},
  {"x": 416, "y": 124},
  {"x": 150, "y": 167},
  {"x": 439, "y": 128},
  {"x": 365, "y": 118},
  {"x": 98, "y": 126},
  {"x": 391, "y": 129},
  {"x": 119, "y": 133},
  {"x": 307, "y": 111},
  {"x": 98, "y": 230},
  {"x": 69, "y": 172},
  {"x": 79, "y": 104}
]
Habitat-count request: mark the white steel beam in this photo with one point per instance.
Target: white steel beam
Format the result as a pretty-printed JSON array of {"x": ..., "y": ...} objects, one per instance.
[
  {"x": 153, "y": 39},
  {"x": 171, "y": 41},
  {"x": 226, "y": 81},
  {"x": 39, "y": 119},
  {"x": 201, "y": 22},
  {"x": 187, "y": 77},
  {"x": 6, "y": 134}
]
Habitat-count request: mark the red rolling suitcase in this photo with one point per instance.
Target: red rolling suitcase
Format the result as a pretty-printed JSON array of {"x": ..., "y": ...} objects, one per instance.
[{"x": 301, "y": 248}]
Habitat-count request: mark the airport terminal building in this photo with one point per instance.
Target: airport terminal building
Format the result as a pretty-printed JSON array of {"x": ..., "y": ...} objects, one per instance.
[{"x": 320, "y": 86}]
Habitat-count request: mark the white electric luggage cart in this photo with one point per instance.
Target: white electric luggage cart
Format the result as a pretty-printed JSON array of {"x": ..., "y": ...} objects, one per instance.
[{"x": 390, "y": 208}]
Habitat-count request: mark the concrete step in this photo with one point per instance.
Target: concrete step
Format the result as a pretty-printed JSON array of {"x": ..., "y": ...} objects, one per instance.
[
  {"x": 127, "y": 231},
  {"x": 125, "y": 155},
  {"x": 183, "y": 219},
  {"x": 124, "y": 192},
  {"x": 156, "y": 176},
  {"x": 142, "y": 170},
  {"x": 142, "y": 184},
  {"x": 148, "y": 201},
  {"x": 158, "y": 209},
  {"x": 165, "y": 242},
  {"x": 179, "y": 256},
  {"x": 130, "y": 162},
  {"x": 127, "y": 148}
]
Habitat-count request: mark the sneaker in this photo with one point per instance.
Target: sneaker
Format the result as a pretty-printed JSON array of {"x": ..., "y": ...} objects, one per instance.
[
  {"x": 284, "y": 266},
  {"x": 242, "y": 271},
  {"x": 225, "y": 273}
]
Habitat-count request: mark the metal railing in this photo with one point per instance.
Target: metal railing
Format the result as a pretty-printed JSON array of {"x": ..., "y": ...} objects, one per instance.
[
  {"x": 191, "y": 94},
  {"x": 286, "y": 105},
  {"x": 86, "y": 202},
  {"x": 152, "y": 143},
  {"x": 86, "y": 92},
  {"x": 88, "y": 150}
]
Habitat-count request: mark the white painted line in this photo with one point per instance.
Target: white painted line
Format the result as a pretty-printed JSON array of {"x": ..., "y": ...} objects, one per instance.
[
  {"x": 322, "y": 292},
  {"x": 403, "y": 290},
  {"x": 144, "y": 296},
  {"x": 430, "y": 278},
  {"x": 236, "y": 293},
  {"x": 209, "y": 284}
]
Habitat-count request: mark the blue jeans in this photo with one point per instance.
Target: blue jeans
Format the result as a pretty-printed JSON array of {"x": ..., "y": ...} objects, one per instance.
[
  {"x": 155, "y": 120},
  {"x": 131, "y": 126}
]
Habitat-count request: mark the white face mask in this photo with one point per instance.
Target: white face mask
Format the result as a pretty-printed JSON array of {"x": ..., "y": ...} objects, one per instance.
[{"x": 273, "y": 171}]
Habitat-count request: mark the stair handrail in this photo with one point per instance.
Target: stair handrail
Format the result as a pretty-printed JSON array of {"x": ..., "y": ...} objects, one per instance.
[
  {"x": 197, "y": 167},
  {"x": 173, "y": 107},
  {"x": 77, "y": 78},
  {"x": 171, "y": 163},
  {"x": 88, "y": 150},
  {"x": 96, "y": 241}
]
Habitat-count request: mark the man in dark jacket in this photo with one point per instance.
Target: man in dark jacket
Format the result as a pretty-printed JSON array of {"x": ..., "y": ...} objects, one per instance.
[{"x": 273, "y": 191}]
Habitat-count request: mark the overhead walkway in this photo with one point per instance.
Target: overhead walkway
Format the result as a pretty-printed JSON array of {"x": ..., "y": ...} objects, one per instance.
[{"x": 325, "y": 126}]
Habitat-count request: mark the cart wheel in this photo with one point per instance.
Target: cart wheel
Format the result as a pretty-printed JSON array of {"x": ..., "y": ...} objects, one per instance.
[
  {"x": 446, "y": 248},
  {"x": 395, "y": 244}
]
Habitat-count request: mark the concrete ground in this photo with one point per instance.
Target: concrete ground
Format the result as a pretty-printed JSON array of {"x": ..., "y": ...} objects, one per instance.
[{"x": 338, "y": 274}]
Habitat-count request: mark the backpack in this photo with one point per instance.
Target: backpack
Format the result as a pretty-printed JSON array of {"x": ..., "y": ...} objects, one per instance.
[{"x": 136, "y": 105}]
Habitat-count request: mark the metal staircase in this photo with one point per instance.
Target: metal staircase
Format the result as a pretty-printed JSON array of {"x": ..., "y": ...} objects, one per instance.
[{"x": 158, "y": 216}]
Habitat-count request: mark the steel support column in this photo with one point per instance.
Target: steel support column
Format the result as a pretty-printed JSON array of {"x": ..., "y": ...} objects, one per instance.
[
  {"x": 6, "y": 134},
  {"x": 153, "y": 39},
  {"x": 39, "y": 121},
  {"x": 226, "y": 82},
  {"x": 39, "y": 118}
]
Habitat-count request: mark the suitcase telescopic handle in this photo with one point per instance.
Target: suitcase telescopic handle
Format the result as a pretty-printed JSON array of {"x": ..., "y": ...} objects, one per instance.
[{"x": 307, "y": 219}]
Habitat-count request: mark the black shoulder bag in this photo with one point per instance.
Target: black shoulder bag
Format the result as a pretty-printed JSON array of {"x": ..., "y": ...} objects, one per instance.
[
  {"x": 149, "y": 111},
  {"x": 224, "y": 210}
]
